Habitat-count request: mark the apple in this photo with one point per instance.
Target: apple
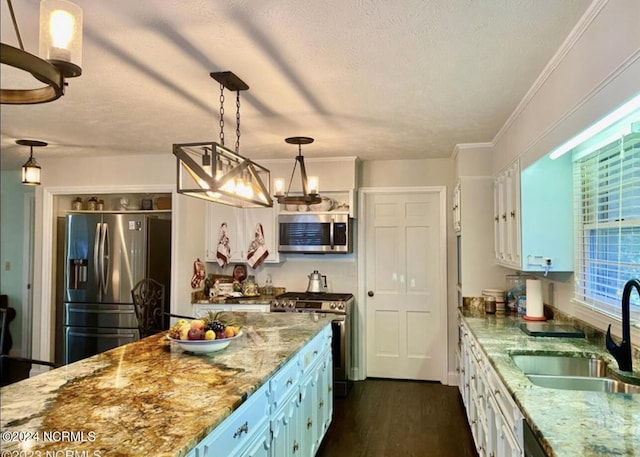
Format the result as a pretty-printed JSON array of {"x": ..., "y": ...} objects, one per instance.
[
  {"x": 198, "y": 324},
  {"x": 195, "y": 334}
]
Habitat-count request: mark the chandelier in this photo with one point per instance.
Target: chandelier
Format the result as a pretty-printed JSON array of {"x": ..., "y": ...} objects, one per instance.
[
  {"x": 210, "y": 171},
  {"x": 309, "y": 185},
  {"x": 60, "y": 49}
]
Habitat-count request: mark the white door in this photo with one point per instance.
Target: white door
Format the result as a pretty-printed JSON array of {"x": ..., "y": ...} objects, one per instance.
[{"x": 405, "y": 280}]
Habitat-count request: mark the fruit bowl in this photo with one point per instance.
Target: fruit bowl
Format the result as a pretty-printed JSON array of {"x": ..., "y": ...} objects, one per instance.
[{"x": 204, "y": 346}]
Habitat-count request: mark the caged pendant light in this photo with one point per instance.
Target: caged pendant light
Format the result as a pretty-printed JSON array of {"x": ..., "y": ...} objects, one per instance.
[{"x": 210, "y": 171}]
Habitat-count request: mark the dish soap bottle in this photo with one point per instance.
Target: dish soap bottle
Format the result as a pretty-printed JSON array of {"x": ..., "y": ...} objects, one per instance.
[{"x": 268, "y": 286}]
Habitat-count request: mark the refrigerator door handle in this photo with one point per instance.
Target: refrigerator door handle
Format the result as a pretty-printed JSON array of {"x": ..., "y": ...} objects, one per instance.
[
  {"x": 104, "y": 258},
  {"x": 96, "y": 254}
]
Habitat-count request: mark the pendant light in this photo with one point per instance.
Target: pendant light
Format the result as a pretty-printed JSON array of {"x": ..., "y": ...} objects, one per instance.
[
  {"x": 309, "y": 185},
  {"x": 60, "y": 49},
  {"x": 210, "y": 171},
  {"x": 31, "y": 169}
]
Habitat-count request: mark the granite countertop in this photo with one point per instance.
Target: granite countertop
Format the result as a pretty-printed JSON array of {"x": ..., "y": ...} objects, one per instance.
[
  {"x": 149, "y": 397},
  {"x": 567, "y": 423}
]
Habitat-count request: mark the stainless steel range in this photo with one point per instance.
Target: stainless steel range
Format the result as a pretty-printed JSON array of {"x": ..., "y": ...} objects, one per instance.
[{"x": 340, "y": 306}]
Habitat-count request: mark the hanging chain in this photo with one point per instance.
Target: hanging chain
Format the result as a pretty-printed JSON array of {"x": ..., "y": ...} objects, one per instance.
[
  {"x": 238, "y": 122},
  {"x": 15, "y": 24},
  {"x": 222, "y": 114}
]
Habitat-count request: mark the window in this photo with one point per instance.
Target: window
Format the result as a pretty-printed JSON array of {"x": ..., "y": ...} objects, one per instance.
[{"x": 607, "y": 206}]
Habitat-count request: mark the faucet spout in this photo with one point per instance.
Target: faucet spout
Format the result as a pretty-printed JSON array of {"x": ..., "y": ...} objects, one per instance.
[{"x": 622, "y": 352}]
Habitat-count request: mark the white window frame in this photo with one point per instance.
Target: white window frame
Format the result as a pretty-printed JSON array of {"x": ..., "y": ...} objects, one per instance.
[{"x": 588, "y": 308}]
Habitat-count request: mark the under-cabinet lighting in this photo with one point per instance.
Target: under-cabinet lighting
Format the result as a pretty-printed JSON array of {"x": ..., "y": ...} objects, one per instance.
[{"x": 610, "y": 119}]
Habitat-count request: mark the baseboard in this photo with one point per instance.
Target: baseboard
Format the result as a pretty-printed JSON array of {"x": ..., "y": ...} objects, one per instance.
[{"x": 452, "y": 378}]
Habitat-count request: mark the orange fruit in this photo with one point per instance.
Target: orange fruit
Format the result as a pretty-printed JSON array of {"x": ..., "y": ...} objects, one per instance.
[{"x": 228, "y": 332}]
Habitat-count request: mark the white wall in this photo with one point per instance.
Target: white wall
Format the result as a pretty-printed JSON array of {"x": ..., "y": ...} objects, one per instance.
[{"x": 597, "y": 73}]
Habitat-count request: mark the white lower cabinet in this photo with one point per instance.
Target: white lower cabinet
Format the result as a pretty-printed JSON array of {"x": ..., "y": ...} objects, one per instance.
[
  {"x": 495, "y": 420},
  {"x": 287, "y": 417}
]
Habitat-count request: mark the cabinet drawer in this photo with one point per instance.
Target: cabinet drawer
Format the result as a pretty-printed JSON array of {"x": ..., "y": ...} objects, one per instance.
[
  {"x": 311, "y": 352},
  {"x": 239, "y": 429},
  {"x": 284, "y": 382},
  {"x": 507, "y": 405}
]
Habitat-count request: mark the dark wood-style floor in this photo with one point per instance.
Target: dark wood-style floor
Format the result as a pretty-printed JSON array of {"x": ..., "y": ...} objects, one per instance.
[{"x": 384, "y": 418}]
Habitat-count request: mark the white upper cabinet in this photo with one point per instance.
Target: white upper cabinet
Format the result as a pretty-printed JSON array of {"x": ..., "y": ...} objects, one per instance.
[
  {"x": 241, "y": 228},
  {"x": 533, "y": 216}
]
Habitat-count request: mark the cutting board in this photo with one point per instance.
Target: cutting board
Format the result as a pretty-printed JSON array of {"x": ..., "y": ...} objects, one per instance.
[{"x": 551, "y": 329}]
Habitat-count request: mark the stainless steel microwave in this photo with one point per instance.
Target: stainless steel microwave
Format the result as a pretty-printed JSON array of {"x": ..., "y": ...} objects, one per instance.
[{"x": 315, "y": 233}]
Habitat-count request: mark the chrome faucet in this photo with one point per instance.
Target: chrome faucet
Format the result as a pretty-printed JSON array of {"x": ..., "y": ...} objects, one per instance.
[{"x": 622, "y": 353}]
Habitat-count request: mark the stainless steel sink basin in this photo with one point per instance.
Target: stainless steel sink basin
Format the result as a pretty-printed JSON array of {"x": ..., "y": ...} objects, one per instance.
[
  {"x": 558, "y": 365},
  {"x": 584, "y": 383},
  {"x": 569, "y": 372}
]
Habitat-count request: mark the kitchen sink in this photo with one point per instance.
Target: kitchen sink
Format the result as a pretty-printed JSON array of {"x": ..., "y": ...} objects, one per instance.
[
  {"x": 560, "y": 365},
  {"x": 569, "y": 372},
  {"x": 584, "y": 383}
]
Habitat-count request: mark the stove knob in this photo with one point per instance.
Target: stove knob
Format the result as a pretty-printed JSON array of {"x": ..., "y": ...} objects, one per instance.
[
  {"x": 341, "y": 306},
  {"x": 332, "y": 305},
  {"x": 292, "y": 304}
]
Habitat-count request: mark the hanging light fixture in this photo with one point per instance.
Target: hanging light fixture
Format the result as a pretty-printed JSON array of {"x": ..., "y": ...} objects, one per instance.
[
  {"x": 310, "y": 185},
  {"x": 210, "y": 171},
  {"x": 60, "y": 49},
  {"x": 31, "y": 169}
]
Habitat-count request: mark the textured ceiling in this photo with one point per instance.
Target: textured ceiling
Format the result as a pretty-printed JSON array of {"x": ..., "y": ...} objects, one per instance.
[{"x": 376, "y": 79}]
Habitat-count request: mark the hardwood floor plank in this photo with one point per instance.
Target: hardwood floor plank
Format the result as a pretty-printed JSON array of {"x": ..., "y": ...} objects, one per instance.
[{"x": 382, "y": 418}]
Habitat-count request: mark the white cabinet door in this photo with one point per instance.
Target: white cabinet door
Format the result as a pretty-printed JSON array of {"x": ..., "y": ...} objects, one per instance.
[
  {"x": 507, "y": 235},
  {"x": 241, "y": 230},
  {"x": 457, "y": 220},
  {"x": 267, "y": 218},
  {"x": 218, "y": 214},
  {"x": 512, "y": 205},
  {"x": 285, "y": 428},
  {"x": 261, "y": 446}
]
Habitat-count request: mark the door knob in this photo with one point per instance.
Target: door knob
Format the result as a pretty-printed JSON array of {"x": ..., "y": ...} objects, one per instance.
[{"x": 370, "y": 293}]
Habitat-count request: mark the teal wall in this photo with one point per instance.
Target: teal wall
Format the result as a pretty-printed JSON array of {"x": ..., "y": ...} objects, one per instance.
[{"x": 12, "y": 238}]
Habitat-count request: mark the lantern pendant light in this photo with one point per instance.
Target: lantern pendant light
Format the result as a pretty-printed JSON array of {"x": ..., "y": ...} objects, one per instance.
[{"x": 31, "y": 169}]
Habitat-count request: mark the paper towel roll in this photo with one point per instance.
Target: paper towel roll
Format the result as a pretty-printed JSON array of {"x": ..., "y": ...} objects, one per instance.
[{"x": 535, "y": 308}]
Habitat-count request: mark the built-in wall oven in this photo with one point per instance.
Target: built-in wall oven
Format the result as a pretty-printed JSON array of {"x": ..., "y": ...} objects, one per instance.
[{"x": 340, "y": 307}]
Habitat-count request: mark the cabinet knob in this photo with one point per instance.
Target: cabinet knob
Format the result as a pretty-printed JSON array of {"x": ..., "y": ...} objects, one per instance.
[
  {"x": 497, "y": 218},
  {"x": 504, "y": 217},
  {"x": 513, "y": 213},
  {"x": 309, "y": 422},
  {"x": 244, "y": 428},
  {"x": 296, "y": 446},
  {"x": 370, "y": 293}
]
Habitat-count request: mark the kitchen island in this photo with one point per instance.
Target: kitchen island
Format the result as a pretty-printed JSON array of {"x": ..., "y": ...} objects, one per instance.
[
  {"x": 150, "y": 397},
  {"x": 566, "y": 423}
]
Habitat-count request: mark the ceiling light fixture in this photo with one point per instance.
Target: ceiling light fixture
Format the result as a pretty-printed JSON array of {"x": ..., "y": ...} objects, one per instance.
[
  {"x": 210, "y": 171},
  {"x": 60, "y": 49},
  {"x": 31, "y": 169},
  {"x": 309, "y": 185}
]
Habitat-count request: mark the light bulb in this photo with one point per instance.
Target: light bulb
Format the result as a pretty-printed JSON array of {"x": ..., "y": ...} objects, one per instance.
[
  {"x": 62, "y": 28},
  {"x": 313, "y": 185},
  {"x": 278, "y": 185}
]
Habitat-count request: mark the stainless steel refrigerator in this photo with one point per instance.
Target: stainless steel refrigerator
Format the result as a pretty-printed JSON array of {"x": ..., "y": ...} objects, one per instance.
[{"x": 105, "y": 255}]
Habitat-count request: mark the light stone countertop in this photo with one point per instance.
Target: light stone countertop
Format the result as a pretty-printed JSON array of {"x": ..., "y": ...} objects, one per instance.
[
  {"x": 567, "y": 423},
  {"x": 148, "y": 398}
]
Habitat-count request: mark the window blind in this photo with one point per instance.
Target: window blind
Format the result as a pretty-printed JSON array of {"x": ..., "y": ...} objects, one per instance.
[{"x": 607, "y": 230}]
